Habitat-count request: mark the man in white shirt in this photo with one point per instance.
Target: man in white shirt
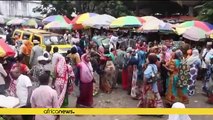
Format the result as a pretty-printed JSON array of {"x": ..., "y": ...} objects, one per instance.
[
  {"x": 113, "y": 41},
  {"x": 55, "y": 57},
  {"x": 23, "y": 91},
  {"x": 205, "y": 63},
  {"x": 23, "y": 88}
]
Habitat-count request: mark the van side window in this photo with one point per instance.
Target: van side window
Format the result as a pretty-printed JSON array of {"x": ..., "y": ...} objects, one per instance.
[
  {"x": 37, "y": 38},
  {"x": 26, "y": 36},
  {"x": 17, "y": 33}
]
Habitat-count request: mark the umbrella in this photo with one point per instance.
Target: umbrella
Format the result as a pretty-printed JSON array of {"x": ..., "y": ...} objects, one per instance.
[
  {"x": 31, "y": 22},
  {"x": 53, "y": 18},
  {"x": 181, "y": 28},
  {"x": 79, "y": 20},
  {"x": 3, "y": 19},
  {"x": 194, "y": 34},
  {"x": 67, "y": 20},
  {"x": 58, "y": 25},
  {"x": 127, "y": 21},
  {"x": 99, "y": 21},
  {"x": 154, "y": 26},
  {"x": 16, "y": 21},
  {"x": 210, "y": 34},
  {"x": 149, "y": 18},
  {"x": 5, "y": 49}
]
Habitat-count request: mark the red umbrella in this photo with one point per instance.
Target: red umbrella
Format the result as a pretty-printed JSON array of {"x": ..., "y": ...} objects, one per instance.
[
  {"x": 67, "y": 20},
  {"x": 5, "y": 49}
]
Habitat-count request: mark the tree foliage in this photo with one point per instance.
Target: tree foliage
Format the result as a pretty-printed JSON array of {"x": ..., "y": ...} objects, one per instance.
[
  {"x": 206, "y": 12},
  {"x": 67, "y": 7}
]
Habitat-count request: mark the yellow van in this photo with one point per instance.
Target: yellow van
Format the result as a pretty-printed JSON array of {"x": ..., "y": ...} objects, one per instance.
[{"x": 44, "y": 37}]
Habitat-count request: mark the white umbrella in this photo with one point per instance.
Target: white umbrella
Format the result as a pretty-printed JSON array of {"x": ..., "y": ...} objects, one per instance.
[
  {"x": 16, "y": 21},
  {"x": 151, "y": 26},
  {"x": 3, "y": 19},
  {"x": 99, "y": 21}
]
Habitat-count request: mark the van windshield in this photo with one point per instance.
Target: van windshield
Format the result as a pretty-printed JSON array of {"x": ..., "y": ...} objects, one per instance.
[{"x": 54, "y": 40}]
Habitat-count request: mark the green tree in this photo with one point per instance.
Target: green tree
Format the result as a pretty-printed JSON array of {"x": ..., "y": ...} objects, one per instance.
[
  {"x": 205, "y": 11},
  {"x": 113, "y": 7}
]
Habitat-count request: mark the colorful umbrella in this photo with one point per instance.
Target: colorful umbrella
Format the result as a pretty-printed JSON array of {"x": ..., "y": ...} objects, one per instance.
[
  {"x": 127, "y": 21},
  {"x": 53, "y": 18},
  {"x": 16, "y": 21},
  {"x": 185, "y": 25},
  {"x": 194, "y": 34},
  {"x": 5, "y": 49},
  {"x": 210, "y": 34},
  {"x": 99, "y": 21},
  {"x": 78, "y": 21},
  {"x": 58, "y": 25}
]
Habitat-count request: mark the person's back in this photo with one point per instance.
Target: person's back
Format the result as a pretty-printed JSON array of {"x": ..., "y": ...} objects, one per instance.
[
  {"x": 44, "y": 97},
  {"x": 35, "y": 53}
]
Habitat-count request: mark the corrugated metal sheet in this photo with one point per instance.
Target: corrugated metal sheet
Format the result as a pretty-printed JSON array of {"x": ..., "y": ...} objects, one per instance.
[{"x": 19, "y": 8}]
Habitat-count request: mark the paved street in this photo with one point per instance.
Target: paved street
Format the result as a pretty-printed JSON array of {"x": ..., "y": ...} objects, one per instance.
[{"x": 119, "y": 98}]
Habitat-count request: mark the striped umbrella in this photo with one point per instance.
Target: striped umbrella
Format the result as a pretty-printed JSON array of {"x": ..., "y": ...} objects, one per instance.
[
  {"x": 5, "y": 49},
  {"x": 52, "y": 18},
  {"x": 77, "y": 22},
  {"x": 126, "y": 22},
  {"x": 16, "y": 21},
  {"x": 194, "y": 34},
  {"x": 181, "y": 28},
  {"x": 58, "y": 25}
]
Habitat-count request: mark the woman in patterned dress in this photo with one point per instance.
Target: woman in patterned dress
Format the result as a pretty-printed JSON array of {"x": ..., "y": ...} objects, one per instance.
[
  {"x": 193, "y": 63},
  {"x": 62, "y": 72},
  {"x": 150, "y": 97},
  {"x": 176, "y": 92}
]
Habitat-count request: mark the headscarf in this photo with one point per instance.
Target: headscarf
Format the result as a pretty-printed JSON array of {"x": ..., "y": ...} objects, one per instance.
[
  {"x": 86, "y": 74},
  {"x": 194, "y": 57},
  {"x": 176, "y": 116},
  {"x": 179, "y": 54},
  {"x": 27, "y": 47}
]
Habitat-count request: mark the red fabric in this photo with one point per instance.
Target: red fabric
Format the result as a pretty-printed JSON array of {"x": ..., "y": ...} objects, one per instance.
[
  {"x": 67, "y": 20},
  {"x": 23, "y": 67},
  {"x": 86, "y": 94},
  {"x": 75, "y": 25},
  {"x": 210, "y": 99},
  {"x": 124, "y": 78},
  {"x": 7, "y": 49}
]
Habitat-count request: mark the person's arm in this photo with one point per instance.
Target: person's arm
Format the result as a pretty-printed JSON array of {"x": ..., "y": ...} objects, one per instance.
[
  {"x": 28, "y": 84},
  {"x": 30, "y": 90},
  {"x": 3, "y": 72},
  {"x": 55, "y": 103},
  {"x": 32, "y": 102}
]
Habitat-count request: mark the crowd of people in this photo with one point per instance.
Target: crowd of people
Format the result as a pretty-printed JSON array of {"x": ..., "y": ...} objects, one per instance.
[{"x": 155, "y": 74}]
